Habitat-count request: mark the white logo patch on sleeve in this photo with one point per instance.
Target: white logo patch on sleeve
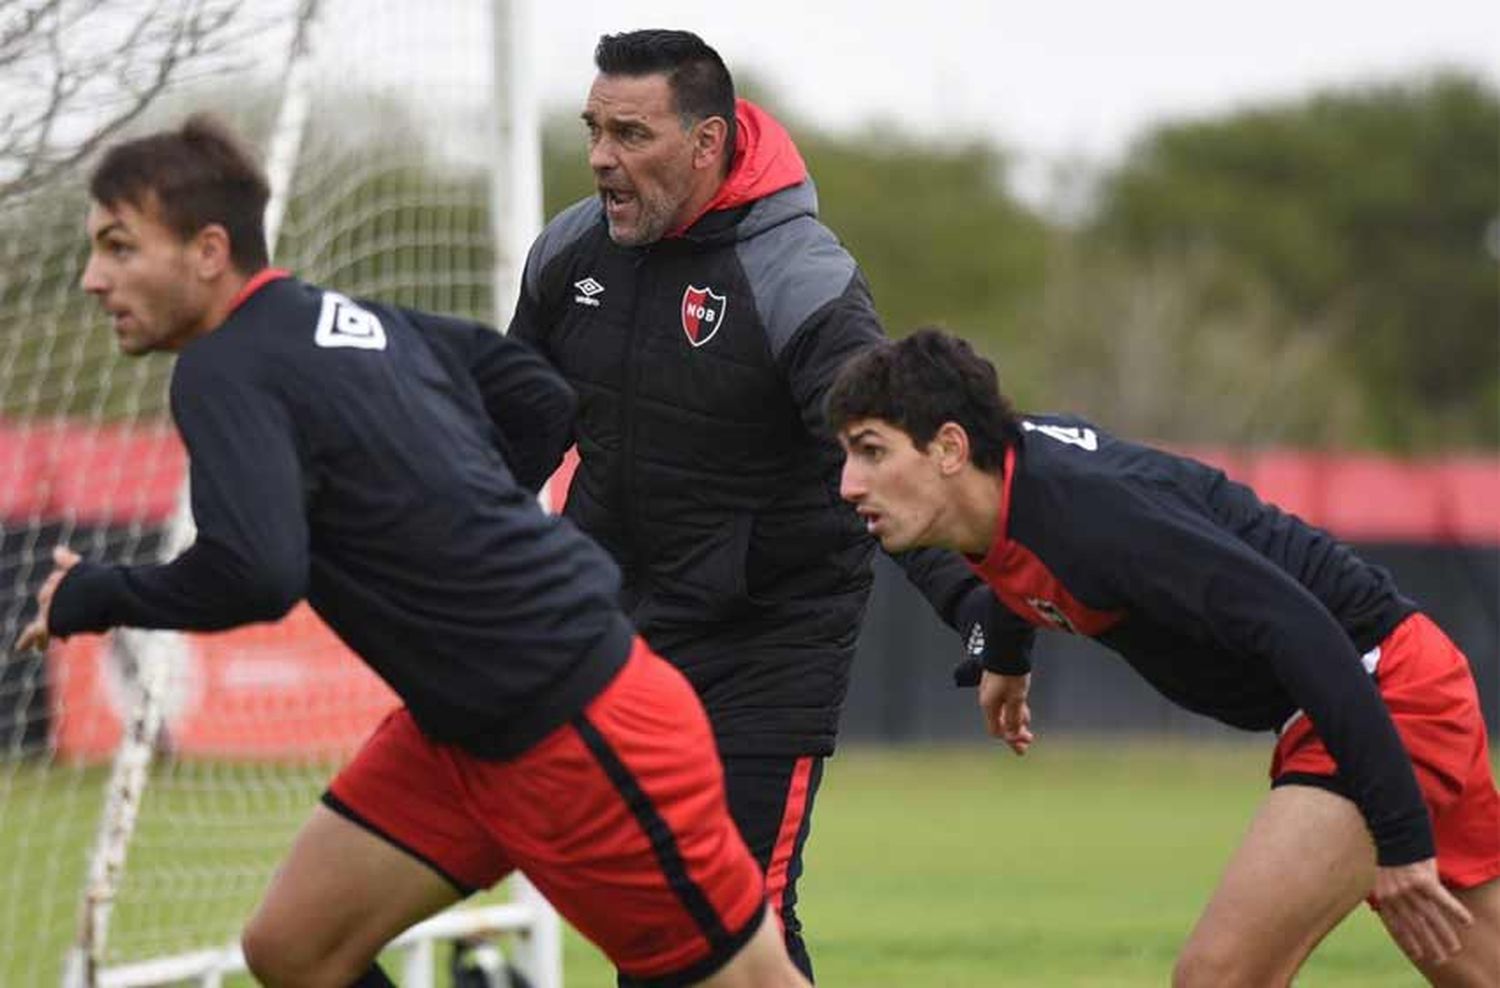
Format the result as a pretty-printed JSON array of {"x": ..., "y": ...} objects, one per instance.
[
  {"x": 1083, "y": 438},
  {"x": 342, "y": 323}
]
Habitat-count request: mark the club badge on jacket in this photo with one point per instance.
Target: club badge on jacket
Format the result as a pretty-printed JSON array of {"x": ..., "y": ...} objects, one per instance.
[{"x": 702, "y": 314}]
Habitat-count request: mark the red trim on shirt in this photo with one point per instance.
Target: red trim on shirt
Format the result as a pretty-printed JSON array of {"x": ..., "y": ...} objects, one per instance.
[
  {"x": 1024, "y": 583},
  {"x": 257, "y": 281},
  {"x": 992, "y": 558}
]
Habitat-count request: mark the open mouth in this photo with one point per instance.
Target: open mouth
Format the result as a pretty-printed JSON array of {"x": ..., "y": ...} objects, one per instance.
[{"x": 616, "y": 200}]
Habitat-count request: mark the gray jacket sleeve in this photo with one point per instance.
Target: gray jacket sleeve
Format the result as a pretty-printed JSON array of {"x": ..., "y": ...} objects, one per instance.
[{"x": 837, "y": 321}]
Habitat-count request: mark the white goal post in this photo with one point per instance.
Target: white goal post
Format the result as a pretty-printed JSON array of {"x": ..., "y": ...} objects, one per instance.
[{"x": 149, "y": 782}]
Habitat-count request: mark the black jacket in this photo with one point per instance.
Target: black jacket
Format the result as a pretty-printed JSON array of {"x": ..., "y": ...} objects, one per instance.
[
  {"x": 700, "y": 363},
  {"x": 354, "y": 454}
]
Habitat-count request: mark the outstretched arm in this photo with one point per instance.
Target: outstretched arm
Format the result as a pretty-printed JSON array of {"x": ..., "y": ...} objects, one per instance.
[{"x": 249, "y": 561}]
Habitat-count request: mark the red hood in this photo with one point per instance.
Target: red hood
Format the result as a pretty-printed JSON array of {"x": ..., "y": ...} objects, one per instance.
[{"x": 765, "y": 161}]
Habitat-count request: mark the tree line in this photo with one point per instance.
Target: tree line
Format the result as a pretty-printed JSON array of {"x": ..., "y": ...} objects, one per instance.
[
  {"x": 1323, "y": 270},
  {"x": 1316, "y": 271}
]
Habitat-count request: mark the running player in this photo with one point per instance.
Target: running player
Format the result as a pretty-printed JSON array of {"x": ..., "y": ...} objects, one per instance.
[{"x": 382, "y": 463}]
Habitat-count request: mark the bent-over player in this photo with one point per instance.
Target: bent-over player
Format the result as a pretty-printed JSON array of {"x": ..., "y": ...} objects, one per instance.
[{"x": 1382, "y": 786}]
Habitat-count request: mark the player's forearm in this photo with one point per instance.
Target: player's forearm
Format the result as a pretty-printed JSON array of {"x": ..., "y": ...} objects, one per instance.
[
  {"x": 1343, "y": 703},
  {"x": 203, "y": 590},
  {"x": 1375, "y": 766}
]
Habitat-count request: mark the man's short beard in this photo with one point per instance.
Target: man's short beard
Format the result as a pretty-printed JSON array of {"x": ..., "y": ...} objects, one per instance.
[
  {"x": 653, "y": 225},
  {"x": 642, "y": 236}
]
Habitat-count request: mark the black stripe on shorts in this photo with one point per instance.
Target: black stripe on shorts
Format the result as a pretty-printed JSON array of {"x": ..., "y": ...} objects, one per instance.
[{"x": 663, "y": 841}]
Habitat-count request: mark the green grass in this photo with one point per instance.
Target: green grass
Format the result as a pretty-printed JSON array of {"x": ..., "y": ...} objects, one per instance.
[{"x": 1084, "y": 864}]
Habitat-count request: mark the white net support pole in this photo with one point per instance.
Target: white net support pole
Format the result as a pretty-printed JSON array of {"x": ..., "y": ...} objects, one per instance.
[
  {"x": 126, "y": 788},
  {"x": 291, "y": 123},
  {"x": 516, "y": 219},
  {"x": 516, "y": 173}
]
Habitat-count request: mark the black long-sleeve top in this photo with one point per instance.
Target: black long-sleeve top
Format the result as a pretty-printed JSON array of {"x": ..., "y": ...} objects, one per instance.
[
  {"x": 382, "y": 463},
  {"x": 1227, "y": 605}
]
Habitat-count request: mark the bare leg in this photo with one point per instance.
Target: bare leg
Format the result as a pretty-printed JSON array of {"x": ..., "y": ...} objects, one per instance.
[
  {"x": 761, "y": 963},
  {"x": 340, "y": 895},
  {"x": 1477, "y": 964},
  {"x": 1306, "y": 863}
]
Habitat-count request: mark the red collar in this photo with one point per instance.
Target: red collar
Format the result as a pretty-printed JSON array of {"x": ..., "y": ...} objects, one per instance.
[
  {"x": 257, "y": 281},
  {"x": 1008, "y": 474}
]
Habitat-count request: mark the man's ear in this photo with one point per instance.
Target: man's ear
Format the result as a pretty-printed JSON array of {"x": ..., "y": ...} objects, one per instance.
[
  {"x": 708, "y": 142},
  {"x": 952, "y": 446},
  {"x": 210, "y": 252}
]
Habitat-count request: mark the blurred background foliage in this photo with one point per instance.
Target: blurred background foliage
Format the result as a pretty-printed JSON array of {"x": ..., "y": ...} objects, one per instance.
[{"x": 1321, "y": 271}]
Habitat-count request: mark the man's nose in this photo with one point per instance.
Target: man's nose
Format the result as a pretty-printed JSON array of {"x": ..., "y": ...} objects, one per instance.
[
  {"x": 851, "y": 484},
  {"x": 93, "y": 280},
  {"x": 602, "y": 155}
]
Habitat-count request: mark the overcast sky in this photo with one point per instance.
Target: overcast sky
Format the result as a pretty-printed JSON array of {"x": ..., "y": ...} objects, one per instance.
[{"x": 1047, "y": 77}]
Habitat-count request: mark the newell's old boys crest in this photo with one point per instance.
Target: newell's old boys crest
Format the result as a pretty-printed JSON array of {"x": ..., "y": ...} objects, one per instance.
[{"x": 702, "y": 314}]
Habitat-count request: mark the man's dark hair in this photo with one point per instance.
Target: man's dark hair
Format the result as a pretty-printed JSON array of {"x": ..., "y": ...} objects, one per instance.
[
  {"x": 700, "y": 83},
  {"x": 917, "y": 384},
  {"x": 196, "y": 175}
]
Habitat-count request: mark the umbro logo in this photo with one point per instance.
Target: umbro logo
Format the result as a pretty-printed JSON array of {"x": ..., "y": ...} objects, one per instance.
[
  {"x": 341, "y": 323},
  {"x": 588, "y": 288}
]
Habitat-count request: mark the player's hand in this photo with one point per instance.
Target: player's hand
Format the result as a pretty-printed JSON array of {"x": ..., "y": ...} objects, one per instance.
[
  {"x": 1007, "y": 716},
  {"x": 36, "y": 634},
  {"x": 1423, "y": 917}
]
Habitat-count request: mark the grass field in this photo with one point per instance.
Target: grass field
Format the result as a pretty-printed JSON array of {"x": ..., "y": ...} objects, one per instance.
[{"x": 1083, "y": 864}]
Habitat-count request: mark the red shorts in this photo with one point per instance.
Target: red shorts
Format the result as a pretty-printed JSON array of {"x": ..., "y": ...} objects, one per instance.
[
  {"x": 1428, "y": 688},
  {"x": 618, "y": 817}
]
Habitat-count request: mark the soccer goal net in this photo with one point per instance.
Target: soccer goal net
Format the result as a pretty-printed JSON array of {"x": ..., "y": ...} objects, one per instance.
[{"x": 149, "y": 782}]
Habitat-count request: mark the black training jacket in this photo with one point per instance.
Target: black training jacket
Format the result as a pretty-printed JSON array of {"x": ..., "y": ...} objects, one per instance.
[
  {"x": 355, "y": 454},
  {"x": 1227, "y": 605},
  {"x": 700, "y": 363}
]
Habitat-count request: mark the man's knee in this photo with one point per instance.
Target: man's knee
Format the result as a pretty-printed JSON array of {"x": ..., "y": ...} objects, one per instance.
[
  {"x": 264, "y": 955},
  {"x": 278, "y": 958},
  {"x": 271, "y": 958},
  {"x": 1222, "y": 965}
]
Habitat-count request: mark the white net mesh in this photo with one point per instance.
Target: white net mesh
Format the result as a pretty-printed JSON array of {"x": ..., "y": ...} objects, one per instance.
[{"x": 389, "y": 199}]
